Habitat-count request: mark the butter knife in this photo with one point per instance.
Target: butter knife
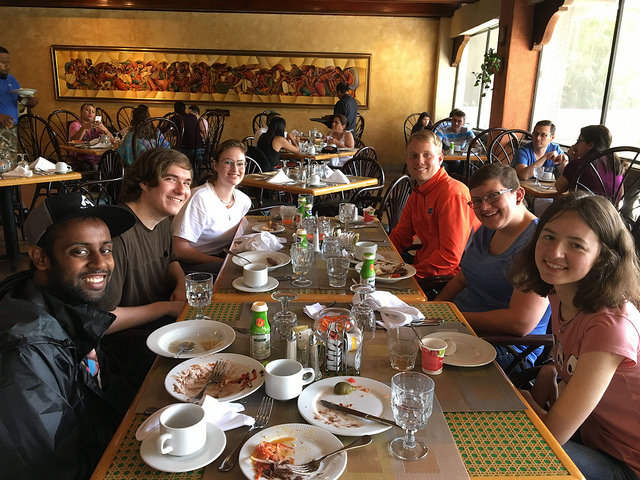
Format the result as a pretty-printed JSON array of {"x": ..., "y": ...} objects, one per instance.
[{"x": 358, "y": 413}]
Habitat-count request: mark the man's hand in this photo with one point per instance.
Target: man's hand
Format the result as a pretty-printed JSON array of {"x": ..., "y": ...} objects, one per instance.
[
  {"x": 179, "y": 293},
  {"x": 174, "y": 308},
  {"x": 6, "y": 120}
]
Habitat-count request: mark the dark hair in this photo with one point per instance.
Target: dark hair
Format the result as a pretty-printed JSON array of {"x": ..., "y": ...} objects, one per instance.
[
  {"x": 271, "y": 115},
  {"x": 138, "y": 116},
  {"x": 86, "y": 105},
  {"x": 456, "y": 112},
  {"x": 418, "y": 125},
  {"x": 3, "y": 50},
  {"x": 495, "y": 171},
  {"x": 599, "y": 135},
  {"x": 426, "y": 136},
  {"x": 148, "y": 168},
  {"x": 614, "y": 277},
  {"x": 226, "y": 145},
  {"x": 274, "y": 129},
  {"x": 195, "y": 108},
  {"x": 179, "y": 107},
  {"x": 546, "y": 123},
  {"x": 342, "y": 87},
  {"x": 341, "y": 117}
]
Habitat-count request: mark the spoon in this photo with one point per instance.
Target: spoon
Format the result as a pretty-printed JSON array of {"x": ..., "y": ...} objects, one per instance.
[
  {"x": 184, "y": 347},
  {"x": 417, "y": 335},
  {"x": 226, "y": 250}
]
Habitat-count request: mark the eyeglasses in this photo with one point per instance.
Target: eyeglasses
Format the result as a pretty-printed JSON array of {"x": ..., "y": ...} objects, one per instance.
[
  {"x": 490, "y": 198},
  {"x": 230, "y": 163},
  {"x": 541, "y": 135}
]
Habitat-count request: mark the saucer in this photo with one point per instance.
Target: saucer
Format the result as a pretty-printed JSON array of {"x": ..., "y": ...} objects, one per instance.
[
  {"x": 214, "y": 446},
  {"x": 238, "y": 284}
]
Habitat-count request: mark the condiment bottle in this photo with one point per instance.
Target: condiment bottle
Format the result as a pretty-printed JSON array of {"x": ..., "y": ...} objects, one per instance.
[
  {"x": 291, "y": 345},
  {"x": 260, "y": 332},
  {"x": 301, "y": 237},
  {"x": 368, "y": 270},
  {"x": 314, "y": 356},
  {"x": 452, "y": 148},
  {"x": 352, "y": 349}
]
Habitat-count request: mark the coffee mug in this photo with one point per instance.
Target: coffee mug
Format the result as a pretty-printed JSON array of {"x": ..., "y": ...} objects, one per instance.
[
  {"x": 183, "y": 429},
  {"x": 365, "y": 247},
  {"x": 285, "y": 378},
  {"x": 62, "y": 167},
  {"x": 432, "y": 355},
  {"x": 255, "y": 275}
]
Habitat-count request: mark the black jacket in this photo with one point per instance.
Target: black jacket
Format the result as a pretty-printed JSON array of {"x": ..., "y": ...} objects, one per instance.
[{"x": 54, "y": 420}]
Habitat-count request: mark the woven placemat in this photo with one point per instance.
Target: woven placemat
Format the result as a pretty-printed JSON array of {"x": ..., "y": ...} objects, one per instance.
[
  {"x": 222, "y": 312},
  {"x": 434, "y": 309}
]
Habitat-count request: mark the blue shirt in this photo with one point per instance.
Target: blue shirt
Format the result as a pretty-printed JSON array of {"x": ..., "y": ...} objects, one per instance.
[
  {"x": 525, "y": 156},
  {"x": 9, "y": 99},
  {"x": 459, "y": 139}
]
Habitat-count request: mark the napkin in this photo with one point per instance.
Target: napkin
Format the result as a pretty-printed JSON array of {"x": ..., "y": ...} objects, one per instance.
[
  {"x": 99, "y": 145},
  {"x": 394, "y": 312},
  {"x": 226, "y": 416},
  {"x": 326, "y": 171},
  {"x": 263, "y": 241},
  {"x": 313, "y": 310},
  {"x": 279, "y": 177},
  {"x": 42, "y": 164},
  {"x": 19, "y": 171},
  {"x": 340, "y": 161},
  {"x": 338, "y": 177}
]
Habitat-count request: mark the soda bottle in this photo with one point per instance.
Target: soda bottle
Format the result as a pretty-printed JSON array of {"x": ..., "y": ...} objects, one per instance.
[
  {"x": 302, "y": 203},
  {"x": 452, "y": 148},
  {"x": 260, "y": 332},
  {"x": 368, "y": 270},
  {"x": 301, "y": 237}
]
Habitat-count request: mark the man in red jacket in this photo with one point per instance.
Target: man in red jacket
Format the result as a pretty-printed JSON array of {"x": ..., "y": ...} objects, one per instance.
[{"x": 437, "y": 210}]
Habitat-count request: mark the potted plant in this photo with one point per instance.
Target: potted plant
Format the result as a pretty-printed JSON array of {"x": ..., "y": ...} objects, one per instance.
[{"x": 491, "y": 65}]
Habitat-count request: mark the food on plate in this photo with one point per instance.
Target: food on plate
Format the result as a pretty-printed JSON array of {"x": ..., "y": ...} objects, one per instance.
[
  {"x": 270, "y": 226},
  {"x": 343, "y": 388},
  {"x": 272, "y": 262},
  {"x": 340, "y": 318},
  {"x": 386, "y": 269},
  {"x": 202, "y": 345},
  {"x": 190, "y": 381},
  {"x": 271, "y": 459}
]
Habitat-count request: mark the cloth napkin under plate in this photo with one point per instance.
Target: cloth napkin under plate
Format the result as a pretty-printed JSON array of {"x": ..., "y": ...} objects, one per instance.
[
  {"x": 394, "y": 312},
  {"x": 19, "y": 171},
  {"x": 263, "y": 241},
  {"x": 338, "y": 177},
  {"x": 224, "y": 415},
  {"x": 279, "y": 178},
  {"x": 43, "y": 165}
]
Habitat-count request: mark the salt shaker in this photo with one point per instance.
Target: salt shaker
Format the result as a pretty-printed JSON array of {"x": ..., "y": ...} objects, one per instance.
[
  {"x": 291, "y": 345},
  {"x": 314, "y": 356}
]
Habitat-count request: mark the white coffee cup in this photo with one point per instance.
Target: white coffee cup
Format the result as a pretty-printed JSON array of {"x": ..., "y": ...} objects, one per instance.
[
  {"x": 183, "y": 429},
  {"x": 62, "y": 167},
  {"x": 255, "y": 275},
  {"x": 365, "y": 247},
  {"x": 285, "y": 378},
  {"x": 314, "y": 180},
  {"x": 548, "y": 176}
]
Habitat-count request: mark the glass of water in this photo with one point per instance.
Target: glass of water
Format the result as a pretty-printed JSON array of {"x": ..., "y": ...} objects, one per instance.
[
  {"x": 346, "y": 213},
  {"x": 199, "y": 286},
  {"x": 301, "y": 258},
  {"x": 412, "y": 403}
]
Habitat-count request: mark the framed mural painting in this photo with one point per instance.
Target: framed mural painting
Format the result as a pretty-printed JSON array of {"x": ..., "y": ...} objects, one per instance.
[{"x": 199, "y": 76}]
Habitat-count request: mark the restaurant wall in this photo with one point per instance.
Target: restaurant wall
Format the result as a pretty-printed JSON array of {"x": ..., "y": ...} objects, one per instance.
[{"x": 403, "y": 64}]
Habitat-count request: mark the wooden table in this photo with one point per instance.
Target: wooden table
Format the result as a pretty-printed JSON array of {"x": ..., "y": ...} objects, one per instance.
[
  {"x": 6, "y": 206},
  {"x": 540, "y": 190},
  {"x": 318, "y": 156},
  {"x": 259, "y": 180},
  {"x": 511, "y": 444},
  {"x": 85, "y": 150}
]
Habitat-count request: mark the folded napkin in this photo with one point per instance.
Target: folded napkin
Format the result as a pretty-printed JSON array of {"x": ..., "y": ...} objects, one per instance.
[
  {"x": 339, "y": 161},
  {"x": 313, "y": 310},
  {"x": 394, "y": 312},
  {"x": 279, "y": 177},
  {"x": 326, "y": 171},
  {"x": 225, "y": 416},
  {"x": 19, "y": 171},
  {"x": 263, "y": 241},
  {"x": 338, "y": 177},
  {"x": 42, "y": 164}
]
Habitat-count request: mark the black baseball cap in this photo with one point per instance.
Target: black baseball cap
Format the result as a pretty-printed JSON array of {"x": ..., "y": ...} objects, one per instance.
[{"x": 59, "y": 208}]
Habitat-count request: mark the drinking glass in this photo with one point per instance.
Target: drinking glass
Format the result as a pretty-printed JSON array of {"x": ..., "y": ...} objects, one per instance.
[
  {"x": 346, "y": 213},
  {"x": 403, "y": 348},
  {"x": 301, "y": 258},
  {"x": 199, "y": 286},
  {"x": 338, "y": 270},
  {"x": 284, "y": 320},
  {"x": 362, "y": 313},
  {"x": 331, "y": 247},
  {"x": 538, "y": 172},
  {"x": 411, "y": 403}
]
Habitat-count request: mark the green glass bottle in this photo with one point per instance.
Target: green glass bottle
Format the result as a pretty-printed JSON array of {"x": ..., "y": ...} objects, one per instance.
[{"x": 260, "y": 332}]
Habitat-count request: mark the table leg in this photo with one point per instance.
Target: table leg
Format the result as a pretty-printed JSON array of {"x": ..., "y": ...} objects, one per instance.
[{"x": 9, "y": 226}]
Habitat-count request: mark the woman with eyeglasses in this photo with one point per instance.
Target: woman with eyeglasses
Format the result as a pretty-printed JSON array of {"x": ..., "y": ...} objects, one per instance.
[
  {"x": 481, "y": 290},
  {"x": 208, "y": 222}
]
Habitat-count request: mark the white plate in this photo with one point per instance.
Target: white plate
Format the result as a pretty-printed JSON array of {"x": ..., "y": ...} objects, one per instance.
[
  {"x": 239, "y": 284},
  {"x": 309, "y": 442},
  {"x": 208, "y": 335},
  {"x": 260, "y": 257},
  {"x": 374, "y": 398},
  {"x": 316, "y": 185},
  {"x": 357, "y": 261},
  {"x": 240, "y": 364},
  {"x": 471, "y": 351},
  {"x": 411, "y": 271},
  {"x": 260, "y": 228},
  {"x": 26, "y": 92},
  {"x": 216, "y": 441}
]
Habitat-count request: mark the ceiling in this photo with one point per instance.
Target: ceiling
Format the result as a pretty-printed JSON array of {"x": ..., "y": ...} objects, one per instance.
[{"x": 394, "y": 8}]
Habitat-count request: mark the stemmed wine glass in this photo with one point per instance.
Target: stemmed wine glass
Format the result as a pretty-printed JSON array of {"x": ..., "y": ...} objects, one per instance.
[
  {"x": 284, "y": 320},
  {"x": 411, "y": 403},
  {"x": 301, "y": 264},
  {"x": 362, "y": 313},
  {"x": 199, "y": 286},
  {"x": 346, "y": 214}
]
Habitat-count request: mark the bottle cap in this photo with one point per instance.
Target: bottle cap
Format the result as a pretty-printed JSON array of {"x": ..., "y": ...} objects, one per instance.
[{"x": 259, "y": 307}]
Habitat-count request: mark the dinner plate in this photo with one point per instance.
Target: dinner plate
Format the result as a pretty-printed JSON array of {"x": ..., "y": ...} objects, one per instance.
[
  {"x": 411, "y": 271},
  {"x": 26, "y": 92},
  {"x": 209, "y": 336},
  {"x": 214, "y": 446},
  {"x": 239, "y": 284},
  {"x": 370, "y": 396},
  {"x": 308, "y": 441},
  {"x": 261, "y": 257},
  {"x": 260, "y": 228},
  {"x": 237, "y": 365},
  {"x": 357, "y": 261},
  {"x": 471, "y": 351}
]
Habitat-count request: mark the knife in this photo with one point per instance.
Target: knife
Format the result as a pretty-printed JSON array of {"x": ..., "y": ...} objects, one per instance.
[{"x": 357, "y": 413}]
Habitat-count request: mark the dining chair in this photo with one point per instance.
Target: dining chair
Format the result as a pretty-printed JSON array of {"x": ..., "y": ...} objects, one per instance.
[
  {"x": 59, "y": 121},
  {"x": 177, "y": 119},
  {"x": 358, "y": 128},
  {"x": 160, "y": 129},
  {"x": 123, "y": 116},
  {"x": 504, "y": 146},
  {"x": 249, "y": 140},
  {"x": 260, "y": 120},
  {"x": 394, "y": 201},
  {"x": 478, "y": 151},
  {"x": 255, "y": 194},
  {"x": 409, "y": 122},
  {"x": 106, "y": 120},
  {"x": 440, "y": 124},
  {"x": 215, "y": 120}
]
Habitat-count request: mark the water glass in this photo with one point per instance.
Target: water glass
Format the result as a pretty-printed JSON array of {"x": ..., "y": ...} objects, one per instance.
[
  {"x": 411, "y": 403},
  {"x": 338, "y": 270},
  {"x": 199, "y": 286},
  {"x": 331, "y": 247},
  {"x": 301, "y": 258},
  {"x": 403, "y": 348},
  {"x": 346, "y": 213},
  {"x": 365, "y": 318}
]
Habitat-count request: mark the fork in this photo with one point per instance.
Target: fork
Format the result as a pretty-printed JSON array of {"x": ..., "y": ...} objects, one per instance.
[
  {"x": 314, "y": 465},
  {"x": 262, "y": 418},
  {"x": 216, "y": 375}
]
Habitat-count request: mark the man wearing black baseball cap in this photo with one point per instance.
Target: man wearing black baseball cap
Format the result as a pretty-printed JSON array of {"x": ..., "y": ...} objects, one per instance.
[{"x": 55, "y": 420}]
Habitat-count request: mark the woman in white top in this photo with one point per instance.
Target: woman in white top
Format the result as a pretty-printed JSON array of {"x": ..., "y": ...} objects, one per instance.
[
  {"x": 208, "y": 222},
  {"x": 339, "y": 135}
]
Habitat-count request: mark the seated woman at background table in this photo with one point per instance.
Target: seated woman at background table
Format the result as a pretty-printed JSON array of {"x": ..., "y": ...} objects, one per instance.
[
  {"x": 583, "y": 257},
  {"x": 272, "y": 141},
  {"x": 339, "y": 135},
  {"x": 423, "y": 123},
  {"x": 87, "y": 129},
  {"x": 208, "y": 222},
  {"x": 593, "y": 138},
  {"x": 481, "y": 290},
  {"x": 148, "y": 137}
]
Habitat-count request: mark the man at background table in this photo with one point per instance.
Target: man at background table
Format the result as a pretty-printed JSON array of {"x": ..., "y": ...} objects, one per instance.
[
  {"x": 55, "y": 419},
  {"x": 347, "y": 105},
  {"x": 540, "y": 152},
  {"x": 437, "y": 211},
  {"x": 457, "y": 134}
]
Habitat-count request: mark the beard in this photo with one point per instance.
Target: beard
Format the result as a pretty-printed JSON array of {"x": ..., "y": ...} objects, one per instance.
[{"x": 72, "y": 289}]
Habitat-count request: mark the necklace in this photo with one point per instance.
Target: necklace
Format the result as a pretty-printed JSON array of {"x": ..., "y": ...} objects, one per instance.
[
  {"x": 562, "y": 323},
  {"x": 228, "y": 204}
]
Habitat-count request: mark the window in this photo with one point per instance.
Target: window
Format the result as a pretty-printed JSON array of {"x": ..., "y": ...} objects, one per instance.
[
  {"x": 467, "y": 97},
  {"x": 580, "y": 82}
]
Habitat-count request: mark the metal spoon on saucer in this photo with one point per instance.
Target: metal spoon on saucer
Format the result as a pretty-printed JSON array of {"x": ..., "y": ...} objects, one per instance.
[{"x": 184, "y": 347}]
